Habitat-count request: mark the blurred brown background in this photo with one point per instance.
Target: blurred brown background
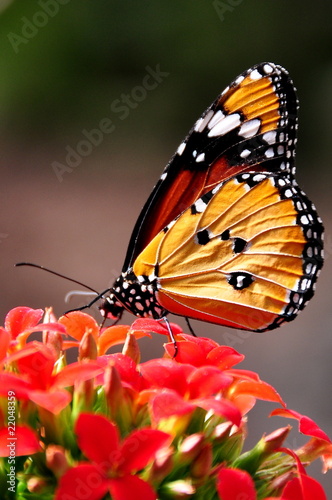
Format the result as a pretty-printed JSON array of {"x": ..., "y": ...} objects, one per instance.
[{"x": 67, "y": 67}]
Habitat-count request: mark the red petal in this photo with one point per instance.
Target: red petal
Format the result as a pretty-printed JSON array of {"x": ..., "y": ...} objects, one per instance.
[
  {"x": 233, "y": 484},
  {"x": 148, "y": 326},
  {"x": 191, "y": 350},
  {"x": 130, "y": 488},
  {"x": 260, "y": 390},
  {"x": 77, "y": 323},
  {"x": 98, "y": 438},
  {"x": 244, "y": 374},
  {"x": 306, "y": 425},
  {"x": 53, "y": 401},
  {"x": 33, "y": 364},
  {"x": 207, "y": 380},
  {"x": 224, "y": 357},
  {"x": 22, "y": 318},
  {"x": 126, "y": 367},
  {"x": 303, "y": 488},
  {"x": 222, "y": 407},
  {"x": 23, "y": 441},
  {"x": 169, "y": 403},
  {"x": 111, "y": 336},
  {"x": 152, "y": 326},
  {"x": 165, "y": 373},
  {"x": 140, "y": 448},
  {"x": 187, "y": 352},
  {"x": 86, "y": 481},
  {"x": 77, "y": 372},
  {"x": 10, "y": 382},
  {"x": 205, "y": 343}
]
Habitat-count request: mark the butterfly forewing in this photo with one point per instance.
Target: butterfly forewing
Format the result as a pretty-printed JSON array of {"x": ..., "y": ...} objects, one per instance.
[{"x": 250, "y": 126}]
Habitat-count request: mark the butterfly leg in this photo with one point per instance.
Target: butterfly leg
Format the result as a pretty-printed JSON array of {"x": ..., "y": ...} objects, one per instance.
[
  {"x": 190, "y": 327},
  {"x": 171, "y": 336}
]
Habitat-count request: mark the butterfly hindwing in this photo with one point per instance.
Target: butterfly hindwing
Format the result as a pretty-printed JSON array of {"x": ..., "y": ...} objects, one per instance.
[
  {"x": 245, "y": 256},
  {"x": 250, "y": 126}
]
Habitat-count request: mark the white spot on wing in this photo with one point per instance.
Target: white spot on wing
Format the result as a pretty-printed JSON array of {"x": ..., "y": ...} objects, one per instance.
[
  {"x": 219, "y": 115},
  {"x": 255, "y": 75},
  {"x": 245, "y": 153},
  {"x": 269, "y": 153},
  {"x": 181, "y": 148},
  {"x": 239, "y": 79},
  {"x": 225, "y": 125},
  {"x": 250, "y": 128},
  {"x": 202, "y": 122},
  {"x": 267, "y": 68},
  {"x": 258, "y": 177},
  {"x": 200, "y": 157},
  {"x": 200, "y": 206},
  {"x": 304, "y": 219},
  {"x": 270, "y": 137}
]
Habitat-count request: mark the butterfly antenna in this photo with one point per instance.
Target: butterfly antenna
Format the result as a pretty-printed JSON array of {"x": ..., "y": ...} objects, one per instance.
[{"x": 60, "y": 276}]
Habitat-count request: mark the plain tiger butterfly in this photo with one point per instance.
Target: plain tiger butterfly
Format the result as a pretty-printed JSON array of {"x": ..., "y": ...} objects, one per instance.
[{"x": 227, "y": 236}]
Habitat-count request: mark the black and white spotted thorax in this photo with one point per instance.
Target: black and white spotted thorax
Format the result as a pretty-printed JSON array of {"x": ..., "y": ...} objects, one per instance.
[{"x": 137, "y": 294}]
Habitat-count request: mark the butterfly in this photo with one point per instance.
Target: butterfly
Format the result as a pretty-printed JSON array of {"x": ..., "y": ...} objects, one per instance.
[{"x": 227, "y": 236}]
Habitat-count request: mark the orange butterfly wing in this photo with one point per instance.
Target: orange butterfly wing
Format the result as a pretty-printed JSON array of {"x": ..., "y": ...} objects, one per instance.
[
  {"x": 240, "y": 258},
  {"x": 248, "y": 127}
]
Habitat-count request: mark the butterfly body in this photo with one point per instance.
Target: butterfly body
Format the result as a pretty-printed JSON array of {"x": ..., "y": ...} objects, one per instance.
[{"x": 227, "y": 236}]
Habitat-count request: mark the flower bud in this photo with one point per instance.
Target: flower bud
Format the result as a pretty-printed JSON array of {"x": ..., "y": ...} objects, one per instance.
[
  {"x": 56, "y": 460},
  {"x": 162, "y": 465},
  {"x": 177, "y": 490},
  {"x": 251, "y": 460},
  {"x": 131, "y": 348},
  {"x": 53, "y": 339},
  {"x": 37, "y": 485},
  {"x": 228, "y": 440},
  {"x": 190, "y": 448},
  {"x": 202, "y": 464},
  {"x": 275, "y": 487},
  {"x": 113, "y": 388},
  {"x": 88, "y": 347}
]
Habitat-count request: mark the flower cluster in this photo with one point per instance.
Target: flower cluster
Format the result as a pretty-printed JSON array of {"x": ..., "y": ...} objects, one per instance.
[{"x": 109, "y": 427}]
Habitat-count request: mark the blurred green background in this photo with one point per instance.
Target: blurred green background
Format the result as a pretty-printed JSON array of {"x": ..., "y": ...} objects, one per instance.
[{"x": 66, "y": 66}]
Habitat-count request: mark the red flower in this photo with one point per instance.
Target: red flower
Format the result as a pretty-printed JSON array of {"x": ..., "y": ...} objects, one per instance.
[
  {"x": 48, "y": 390},
  {"x": 112, "y": 463},
  {"x": 20, "y": 322},
  {"x": 177, "y": 389}
]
